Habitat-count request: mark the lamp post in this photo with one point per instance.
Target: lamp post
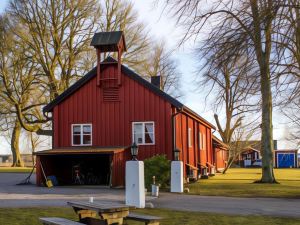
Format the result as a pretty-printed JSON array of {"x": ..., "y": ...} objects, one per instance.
[
  {"x": 134, "y": 151},
  {"x": 176, "y": 154}
]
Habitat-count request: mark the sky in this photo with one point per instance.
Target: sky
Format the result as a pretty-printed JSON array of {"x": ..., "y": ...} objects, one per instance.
[{"x": 163, "y": 27}]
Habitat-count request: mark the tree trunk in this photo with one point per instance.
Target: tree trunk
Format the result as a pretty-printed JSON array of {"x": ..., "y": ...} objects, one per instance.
[
  {"x": 266, "y": 126},
  {"x": 230, "y": 161},
  {"x": 15, "y": 139}
]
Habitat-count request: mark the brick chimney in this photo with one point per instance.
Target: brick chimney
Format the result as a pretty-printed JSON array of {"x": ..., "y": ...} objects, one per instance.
[{"x": 156, "y": 81}]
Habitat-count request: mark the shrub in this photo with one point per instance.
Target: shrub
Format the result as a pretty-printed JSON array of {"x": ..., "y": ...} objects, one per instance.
[{"x": 158, "y": 166}]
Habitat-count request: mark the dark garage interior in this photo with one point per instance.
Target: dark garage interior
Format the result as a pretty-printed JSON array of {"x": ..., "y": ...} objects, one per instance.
[{"x": 78, "y": 169}]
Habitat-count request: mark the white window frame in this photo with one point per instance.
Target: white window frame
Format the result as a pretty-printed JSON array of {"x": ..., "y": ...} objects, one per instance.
[
  {"x": 81, "y": 134},
  {"x": 190, "y": 137},
  {"x": 200, "y": 140},
  {"x": 204, "y": 141},
  {"x": 143, "y": 130}
]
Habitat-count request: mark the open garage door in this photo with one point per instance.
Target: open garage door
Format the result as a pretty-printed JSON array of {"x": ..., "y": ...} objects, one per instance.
[
  {"x": 78, "y": 169},
  {"x": 88, "y": 166}
]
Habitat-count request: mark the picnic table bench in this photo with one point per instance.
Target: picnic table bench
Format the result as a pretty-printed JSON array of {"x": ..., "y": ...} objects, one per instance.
[
  {"x": 149, "y": 220},
  {"x": 109, "y": 213},
  {"x": 58, "y": 221}
]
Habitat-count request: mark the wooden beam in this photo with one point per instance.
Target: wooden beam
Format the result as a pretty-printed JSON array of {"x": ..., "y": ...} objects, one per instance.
[
  {"x": 119, "y": 66},
  {"x": 98, "y": 66}
]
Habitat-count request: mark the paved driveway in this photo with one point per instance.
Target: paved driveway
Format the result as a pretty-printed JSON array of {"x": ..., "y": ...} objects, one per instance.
[{"x": 12, "y": 195}]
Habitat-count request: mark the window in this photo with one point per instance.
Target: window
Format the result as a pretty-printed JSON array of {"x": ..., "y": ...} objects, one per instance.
[
  {"x": 143, "y": 133},
  {"x": 81, "y": 134},
  {"x": 202, "y": 142},
  {"x": 190, "y": 137}
]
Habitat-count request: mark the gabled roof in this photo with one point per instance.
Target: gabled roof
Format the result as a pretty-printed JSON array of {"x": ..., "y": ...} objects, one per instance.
[
  {"x": 131, "y": 74},
  {"x": 108, "y": 40},
  {"x": 219, "y": 143}
]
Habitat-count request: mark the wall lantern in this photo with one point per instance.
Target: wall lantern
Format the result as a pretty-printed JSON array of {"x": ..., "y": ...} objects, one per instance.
[
  {"x": 176, "y": 154},
  {"x": 134, "y": 151}
]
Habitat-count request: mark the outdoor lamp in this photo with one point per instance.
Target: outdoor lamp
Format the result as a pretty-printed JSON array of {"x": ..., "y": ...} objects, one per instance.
[
  {"x": 134, "y": 151},
  {"x": 176, "y": 154}
]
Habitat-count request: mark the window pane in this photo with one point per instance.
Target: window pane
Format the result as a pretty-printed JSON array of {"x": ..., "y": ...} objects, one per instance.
[
  {"x": 200, "y": 141},
  {"x": 149, "y": 138},
  {"x": 76, "y": 129},
  {"x": 87, "y": 129},
  {"x": 87, "y": 139},
  {"x": 149, "y": 127},
  {"x": 138, "y": 128},
  {"x": 190, "y": 137},
  {"x": 76, "y": 140},
  {"x": 138, "y": 138},
  {"x": 204, "y": 141}
]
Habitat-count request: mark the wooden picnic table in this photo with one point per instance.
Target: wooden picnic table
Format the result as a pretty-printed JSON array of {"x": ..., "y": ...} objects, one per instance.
[{"x": 109, "y": 212}]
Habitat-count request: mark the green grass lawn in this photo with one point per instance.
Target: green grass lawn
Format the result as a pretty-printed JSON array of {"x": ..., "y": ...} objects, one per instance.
[
  {"x": 238, "y": 182},
  {"x": 15, "y": 169},
  {"x": 29, "y": 216}
]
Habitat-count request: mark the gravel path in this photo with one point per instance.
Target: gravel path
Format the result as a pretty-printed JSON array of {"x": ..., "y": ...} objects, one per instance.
[{"x": 12, "y": 195}]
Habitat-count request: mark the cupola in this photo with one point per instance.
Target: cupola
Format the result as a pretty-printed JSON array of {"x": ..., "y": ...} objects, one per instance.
[{"x": 105, "y": 42}]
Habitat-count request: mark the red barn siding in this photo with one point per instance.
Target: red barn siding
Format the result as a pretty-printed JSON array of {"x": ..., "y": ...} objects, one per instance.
[
  {"x": 192, "y": 155},
  {"x": 112, "y": 121},
  {"x": 118, "y": 164},
  {"x": 204, "y": 150},
  {"x": 220, "y": 158}
]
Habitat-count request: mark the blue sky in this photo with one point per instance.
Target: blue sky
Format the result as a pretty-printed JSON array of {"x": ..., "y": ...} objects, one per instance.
[
  {"x": 162, "y": 26},
  {"x": 3, "y": 4}
]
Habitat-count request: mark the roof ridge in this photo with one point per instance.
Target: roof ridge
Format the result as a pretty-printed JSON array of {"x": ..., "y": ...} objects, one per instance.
[{"x": 130, "y": 73}]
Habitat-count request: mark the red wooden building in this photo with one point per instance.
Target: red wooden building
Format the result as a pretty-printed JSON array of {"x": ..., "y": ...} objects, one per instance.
[
  {"x": 98, "y": 118},
  {"x": 220, "y": 154}
]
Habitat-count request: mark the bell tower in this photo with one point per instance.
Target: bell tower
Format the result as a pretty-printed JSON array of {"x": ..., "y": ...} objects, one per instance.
[{"x": 104, "y": 42}]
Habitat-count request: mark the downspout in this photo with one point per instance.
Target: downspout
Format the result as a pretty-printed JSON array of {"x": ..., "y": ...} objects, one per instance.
[{"x": 177, "y": 111}]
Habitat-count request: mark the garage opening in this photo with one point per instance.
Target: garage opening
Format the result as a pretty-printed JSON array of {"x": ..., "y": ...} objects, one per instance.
[{"x": 79, "y": 169}]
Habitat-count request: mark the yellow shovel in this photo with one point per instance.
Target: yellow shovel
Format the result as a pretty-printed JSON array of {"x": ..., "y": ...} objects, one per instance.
[{"x": 48, "y": 182}]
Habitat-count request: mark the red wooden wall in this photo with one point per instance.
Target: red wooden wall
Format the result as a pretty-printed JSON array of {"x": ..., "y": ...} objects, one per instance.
[
  {"x": 220, "y": 158},
  {"x": 112, "y": 121},
  {"x": 193, "y": 155}
]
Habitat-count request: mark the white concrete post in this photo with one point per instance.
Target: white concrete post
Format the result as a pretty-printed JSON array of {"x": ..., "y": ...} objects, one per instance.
[
  {"x": 135, "y": 184},
  {"x": 177, "y": 176}
]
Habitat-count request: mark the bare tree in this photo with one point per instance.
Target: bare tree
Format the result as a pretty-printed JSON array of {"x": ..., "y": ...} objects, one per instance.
[
  {"x": 54, "y": 34},
  {"x": 254, "y": 23},
  {"x": 229, "y": 78},
  {"x": 57, "y": 36},
  {"x": 241, "y": 140},
  {"x": 17, "y": 87},
  {"x": 49, "y": 49},
  {"x": 120, "y": 15},
  {"x": 287, "y": 66},
  {"x": 160, "y": 63}
]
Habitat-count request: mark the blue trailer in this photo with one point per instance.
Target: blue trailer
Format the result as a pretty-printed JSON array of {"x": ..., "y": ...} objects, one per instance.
[{"x": 286, "y": 158}]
